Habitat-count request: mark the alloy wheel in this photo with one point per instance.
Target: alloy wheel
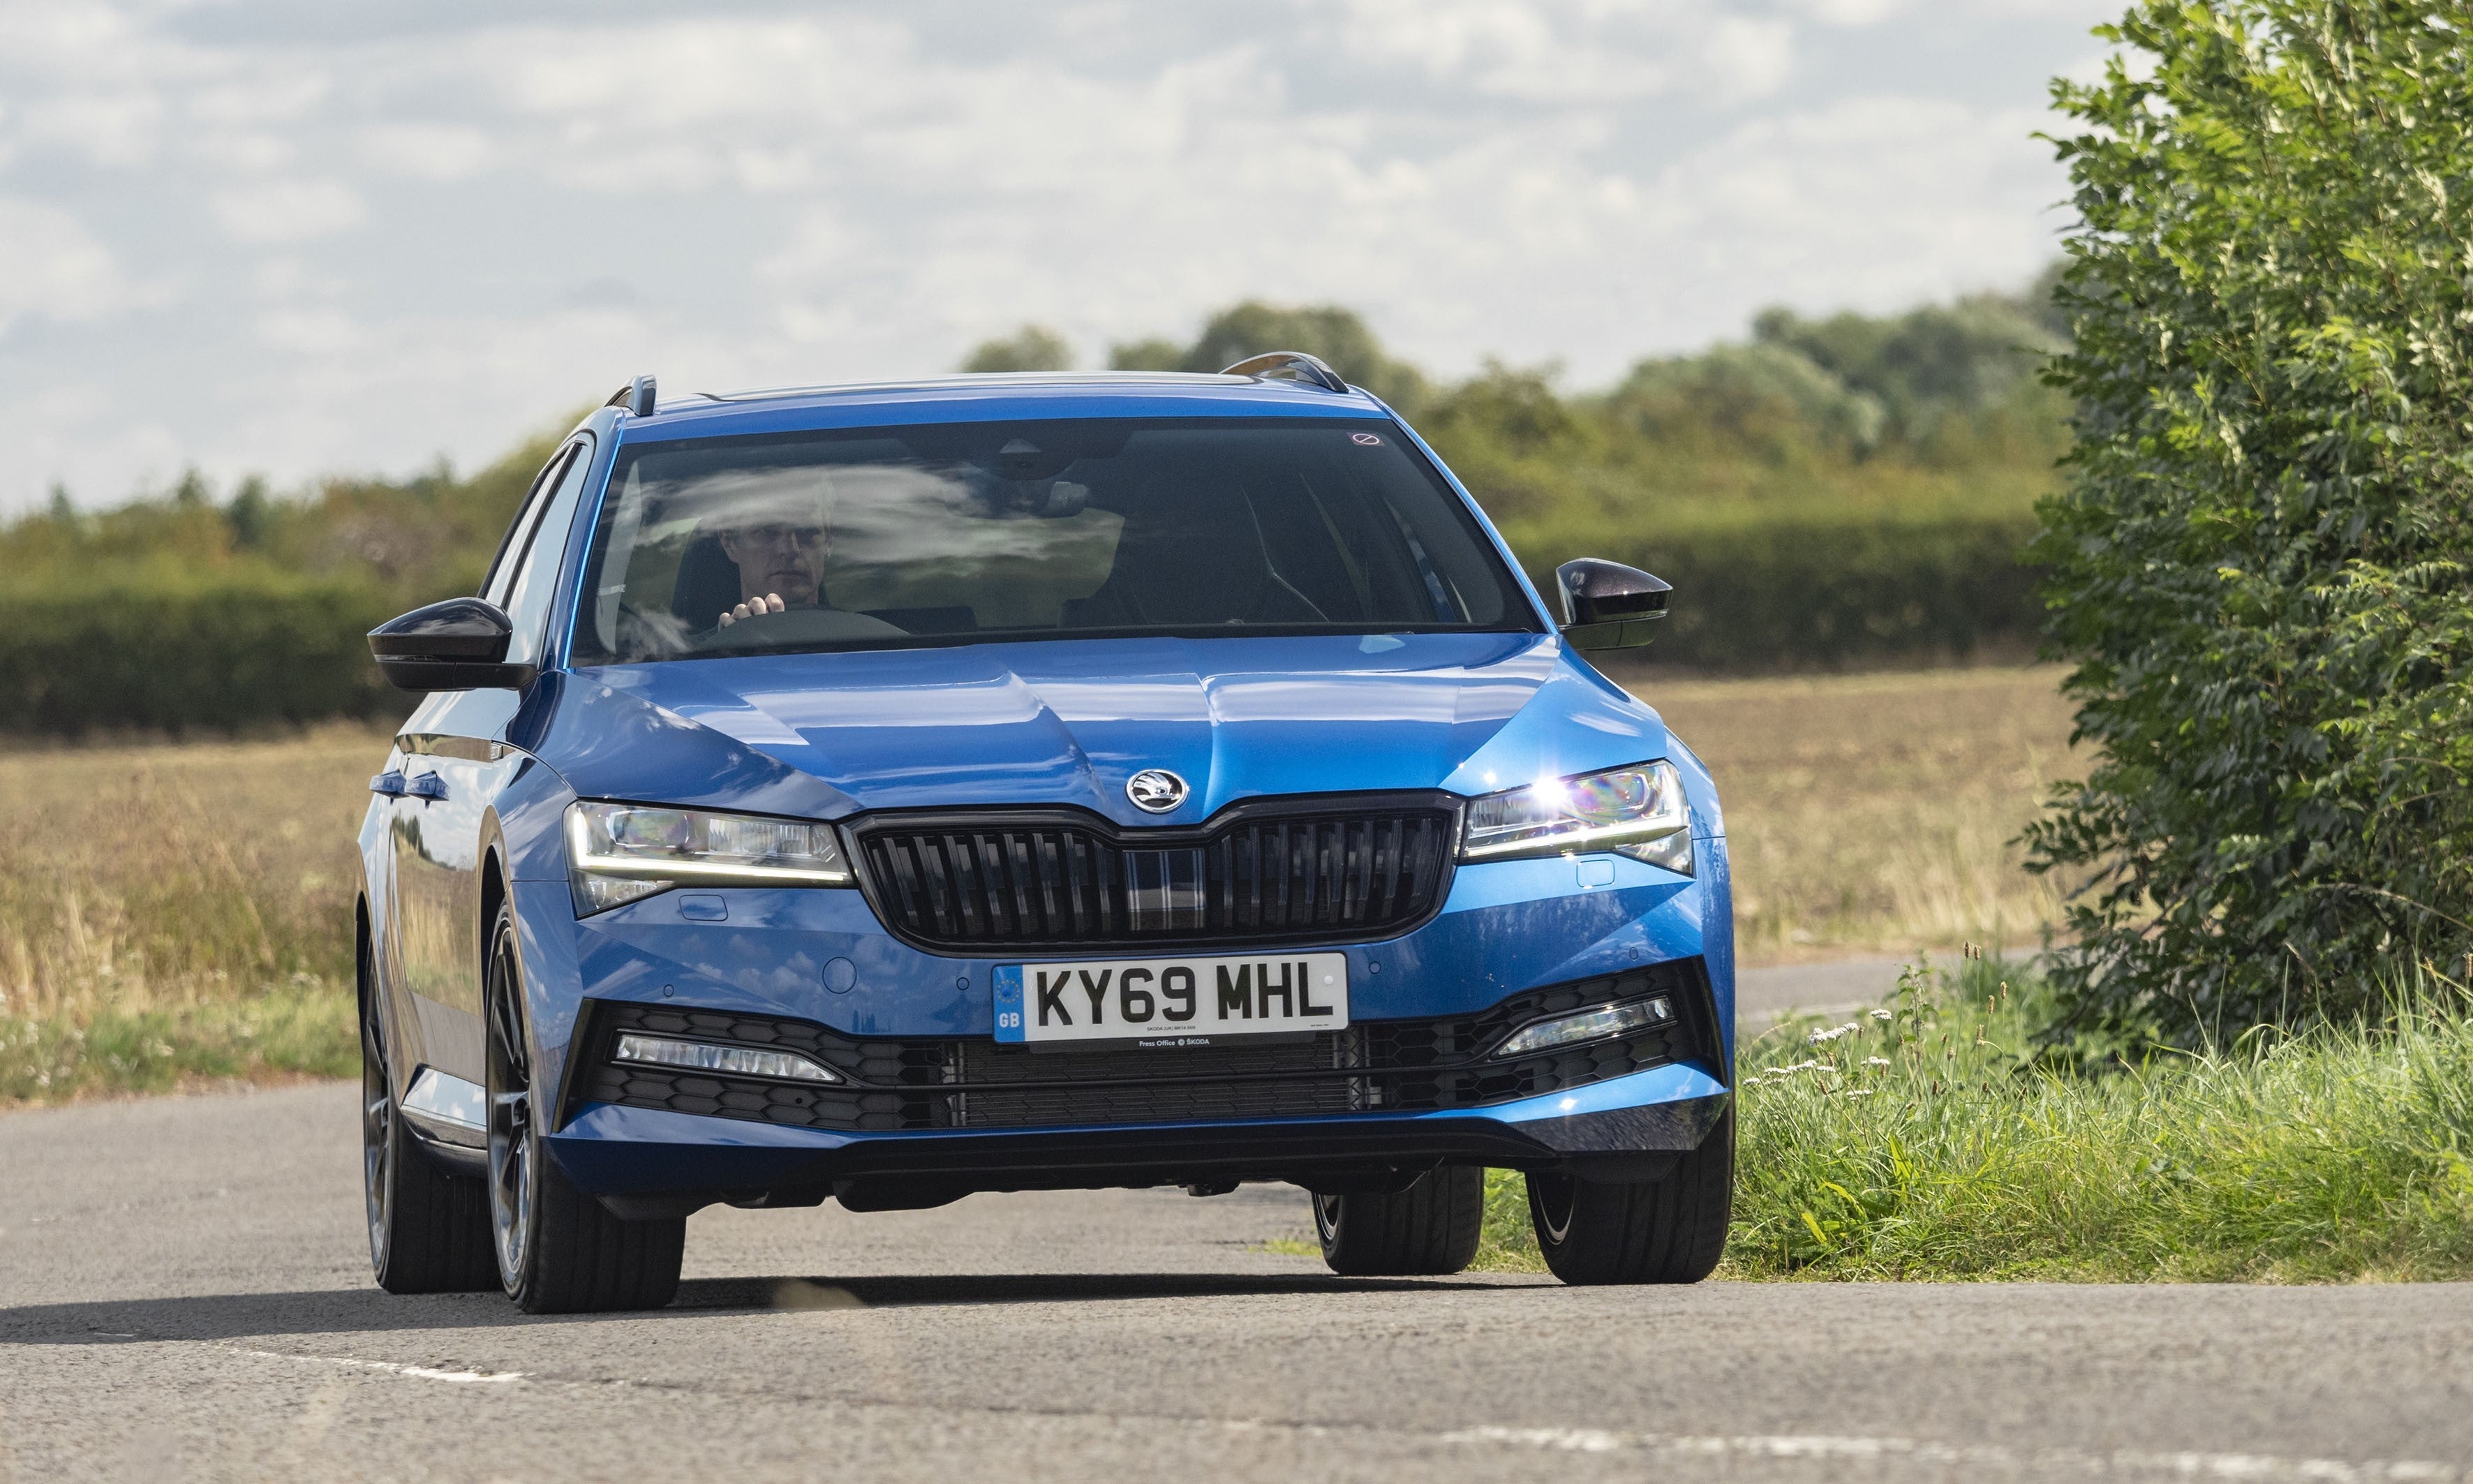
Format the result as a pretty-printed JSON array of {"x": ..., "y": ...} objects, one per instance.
[
  {"x": 1557, "y": 1196},
  {"x": 509, "y": 1118},
  {"x": 378, "y": 1133},
  {"x": 1326, "y": 1208}
]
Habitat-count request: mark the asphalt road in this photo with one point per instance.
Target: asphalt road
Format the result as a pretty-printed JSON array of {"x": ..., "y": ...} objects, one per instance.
[
  {"x": 183, "y": 1294},
  {"x": 1763, "y": 996}
]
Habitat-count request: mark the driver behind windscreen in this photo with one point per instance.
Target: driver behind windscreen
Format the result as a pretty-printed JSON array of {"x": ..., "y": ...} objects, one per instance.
[{"x": 780, "y": 559}]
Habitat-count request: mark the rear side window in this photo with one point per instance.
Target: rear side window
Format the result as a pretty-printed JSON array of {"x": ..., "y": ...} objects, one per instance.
[{"x": 947, "y": 533}]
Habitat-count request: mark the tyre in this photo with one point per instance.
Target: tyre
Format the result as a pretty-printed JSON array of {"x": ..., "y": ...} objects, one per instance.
[
  {"x": 429, "y": 1229},
  {"x": 1427, "y": 1230},
  {"x": 1670, "y": 1231},
  {"x": 558, "y": 1250}
]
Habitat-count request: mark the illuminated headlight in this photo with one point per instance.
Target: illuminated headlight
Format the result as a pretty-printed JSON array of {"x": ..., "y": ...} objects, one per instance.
[
  {"x": 617, "y": 852},
  {"x": 1596, "y": 1024},
  {"x": 699, "y": 1056},
  {"x": 1636, "y": 811}
]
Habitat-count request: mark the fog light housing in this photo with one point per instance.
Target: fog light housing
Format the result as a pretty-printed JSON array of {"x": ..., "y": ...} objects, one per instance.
[
  {"x": 1596, "y": 1023},
  {"x": 704, "y": 1056}
]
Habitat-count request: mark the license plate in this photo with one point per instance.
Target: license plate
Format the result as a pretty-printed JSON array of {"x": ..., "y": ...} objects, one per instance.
[{"x": 1168, "y": 1003}]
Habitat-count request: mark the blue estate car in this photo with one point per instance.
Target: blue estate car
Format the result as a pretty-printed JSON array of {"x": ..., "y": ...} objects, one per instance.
[{"x": 887, "y": 792}]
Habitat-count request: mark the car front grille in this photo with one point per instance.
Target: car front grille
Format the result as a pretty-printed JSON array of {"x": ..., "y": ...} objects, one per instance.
[
  {"x": 976, "y": 1083},
  {"x": 1267, "y": 872}
]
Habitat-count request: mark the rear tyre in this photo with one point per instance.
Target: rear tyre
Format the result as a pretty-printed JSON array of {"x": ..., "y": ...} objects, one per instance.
[
  {"x": 429, "y": 1229},
  {"x": 1670, "y": 1231},
  {"x": 1427, "y": 1230},
  {"x": 558, "y": 1250}
]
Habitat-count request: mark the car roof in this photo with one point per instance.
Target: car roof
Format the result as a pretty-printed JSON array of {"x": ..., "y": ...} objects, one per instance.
[{"x": 991, "y": 397}]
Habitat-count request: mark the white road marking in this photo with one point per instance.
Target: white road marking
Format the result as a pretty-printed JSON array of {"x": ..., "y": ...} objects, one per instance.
[
  {"x": 2259, "y": 1469},
  {"x": 389, "y": 1367},
  {"x": 2179, "y": 1465}
]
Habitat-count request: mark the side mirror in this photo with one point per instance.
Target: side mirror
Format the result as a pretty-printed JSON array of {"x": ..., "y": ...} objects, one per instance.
[
  {"x": 459, "y": 644},
  {"x": 1607, "y": 605}
]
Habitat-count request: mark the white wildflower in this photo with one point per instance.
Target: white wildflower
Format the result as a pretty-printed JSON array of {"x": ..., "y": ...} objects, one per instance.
[
  {"x": 1782, "y": 1073},
  {"x": 1859, "y": 1092},
  {"x": 1879, "y": 1014},
  {"x": 1823, "y": 1038},
  {"x": 1876, "y": 1060}
]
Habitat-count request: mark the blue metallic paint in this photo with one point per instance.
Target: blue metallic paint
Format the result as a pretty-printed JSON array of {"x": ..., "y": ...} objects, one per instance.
[{"x": 1053, "y": 721}]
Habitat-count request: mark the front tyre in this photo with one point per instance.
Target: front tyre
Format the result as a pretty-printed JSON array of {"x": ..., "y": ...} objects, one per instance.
[
  {"x": 1670, "y": 1231},
  {"x": 560, "y": 1251},
  {"x": 1427, "y": 1231},
  {"x": 429, "y": 1229}
]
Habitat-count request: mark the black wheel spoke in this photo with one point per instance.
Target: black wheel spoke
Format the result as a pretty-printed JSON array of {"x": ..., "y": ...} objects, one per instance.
[{"x": 509, "y": 1117}]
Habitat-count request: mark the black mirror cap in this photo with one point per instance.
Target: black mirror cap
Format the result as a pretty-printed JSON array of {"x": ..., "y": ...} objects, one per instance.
[
  {"x": 1607, "y": 605},
  {"x": 459, "y": 644}
]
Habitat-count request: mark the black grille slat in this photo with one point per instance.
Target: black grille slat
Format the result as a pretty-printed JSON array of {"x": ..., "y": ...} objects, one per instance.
[{"x": 1270, "y": 874}]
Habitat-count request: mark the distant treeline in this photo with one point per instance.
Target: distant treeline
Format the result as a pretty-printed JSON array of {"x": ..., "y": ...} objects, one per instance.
[{"x": 1830, "y": 493}]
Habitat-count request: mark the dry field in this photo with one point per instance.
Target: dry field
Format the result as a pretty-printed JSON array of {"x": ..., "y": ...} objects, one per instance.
[
  {"x": 178, "y": 914},
  {"x": 173, "y": 914},
  {"x": 1875, "y": 812}
]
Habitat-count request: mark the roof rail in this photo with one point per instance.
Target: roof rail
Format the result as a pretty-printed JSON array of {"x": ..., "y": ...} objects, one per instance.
[
  {"x": 637, "y": 397},
  {"x": 1295, "y": 363}
]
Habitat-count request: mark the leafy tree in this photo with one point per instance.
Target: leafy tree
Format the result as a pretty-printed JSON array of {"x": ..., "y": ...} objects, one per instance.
[
  {"x": 1765, "y": 399},
  {"x": 1032, "y": 347},
  {"x": 2260, "y": 562},
  {"x": 250, "y": 512},
  {"x": 1338, "y": 337},
  {"x": 1154, "y": 353}
]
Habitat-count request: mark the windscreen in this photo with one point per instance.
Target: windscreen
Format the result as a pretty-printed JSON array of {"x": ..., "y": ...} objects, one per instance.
[{"x": 949, "y": 533}]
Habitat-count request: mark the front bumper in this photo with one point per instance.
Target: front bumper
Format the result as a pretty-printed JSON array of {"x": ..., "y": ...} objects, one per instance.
[
  {"x": 819, "y": 956},
  {"x": 651, "y": 1161}
]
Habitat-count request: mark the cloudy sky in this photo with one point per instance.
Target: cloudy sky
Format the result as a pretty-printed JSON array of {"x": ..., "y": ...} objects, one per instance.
[{"x": 294, "y": 237}]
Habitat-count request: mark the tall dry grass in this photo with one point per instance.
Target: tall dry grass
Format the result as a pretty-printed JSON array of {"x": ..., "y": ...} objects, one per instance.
[{"x": 174, "y": 912}]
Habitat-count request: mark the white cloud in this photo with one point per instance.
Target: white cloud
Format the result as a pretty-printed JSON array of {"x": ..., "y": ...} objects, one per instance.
[
  {"x": 428, "y": 151},
  {"x": 51, "y": 265},
  {"x": 1572, "y": 51},
  {"x": 489, "y": 219},
  {"x": 288, "y": 210}
]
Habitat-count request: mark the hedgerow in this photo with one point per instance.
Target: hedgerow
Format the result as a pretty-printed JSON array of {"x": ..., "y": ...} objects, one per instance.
[{"x": 2260, "y": 563}]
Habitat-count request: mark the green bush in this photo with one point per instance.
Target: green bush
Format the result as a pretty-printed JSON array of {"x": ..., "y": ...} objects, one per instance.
[
  {"x": 228, "y": 650},
  {"x": 2260, "y": 561}
]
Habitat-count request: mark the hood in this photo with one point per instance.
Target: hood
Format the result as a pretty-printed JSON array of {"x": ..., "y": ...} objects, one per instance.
[{"x": 1068, "y": 722}]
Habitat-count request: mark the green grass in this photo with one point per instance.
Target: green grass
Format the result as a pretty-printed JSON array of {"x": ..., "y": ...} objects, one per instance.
[
  {"x": 1924, "y": 1141},
  {"x": 302, "y": 1030}
]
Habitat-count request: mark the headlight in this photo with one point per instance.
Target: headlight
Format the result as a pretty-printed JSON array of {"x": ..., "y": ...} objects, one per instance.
[
  {"x": 1636, "y": 811},
  {"x": 617, "y": 852}
]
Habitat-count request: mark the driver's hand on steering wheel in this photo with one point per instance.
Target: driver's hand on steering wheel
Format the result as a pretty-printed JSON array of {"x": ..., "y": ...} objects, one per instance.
[{"x": 753, "y": 608}]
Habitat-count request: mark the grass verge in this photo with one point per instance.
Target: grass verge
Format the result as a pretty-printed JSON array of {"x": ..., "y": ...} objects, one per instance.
[
  {"x": 179, "y": 913},
  {"x": 1924, "y": 1141},
  {"x": 303, "y": 1030}
]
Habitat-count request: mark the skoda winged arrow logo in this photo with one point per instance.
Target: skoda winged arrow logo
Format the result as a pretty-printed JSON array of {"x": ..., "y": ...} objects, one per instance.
[{"x": 1155, "y": 790}]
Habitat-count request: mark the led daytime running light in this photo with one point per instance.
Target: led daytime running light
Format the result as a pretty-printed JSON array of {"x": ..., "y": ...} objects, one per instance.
[
  {"x": 647, "y": 842},
  {"x": 727, "y": 1061},
  {"x": 1625, "y": 809},
  {"x": 1595, "y": 1024}
]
